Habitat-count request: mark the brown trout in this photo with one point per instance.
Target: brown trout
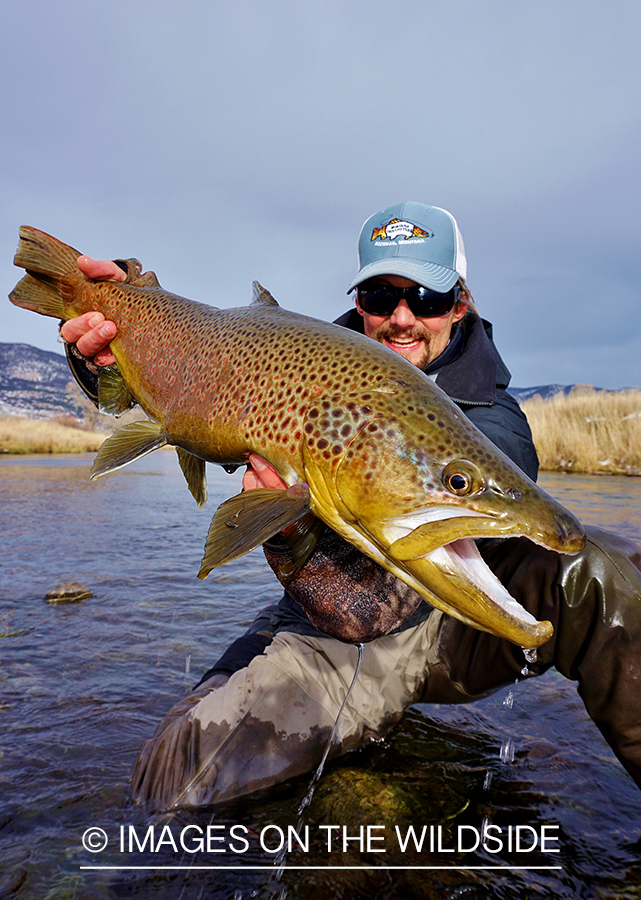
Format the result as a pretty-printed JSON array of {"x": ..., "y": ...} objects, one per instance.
[{"x": 366, "y": 441}]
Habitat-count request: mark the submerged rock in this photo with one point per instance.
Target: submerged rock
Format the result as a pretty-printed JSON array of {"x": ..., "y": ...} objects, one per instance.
[{"x": 68, "y": 592}]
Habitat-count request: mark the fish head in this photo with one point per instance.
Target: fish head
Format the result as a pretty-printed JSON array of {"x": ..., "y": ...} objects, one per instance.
[{"x": 413, "y": 483}]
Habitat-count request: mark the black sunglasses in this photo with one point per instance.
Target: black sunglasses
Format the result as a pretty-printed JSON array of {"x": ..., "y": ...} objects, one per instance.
[{"x": 380, "y": 299}]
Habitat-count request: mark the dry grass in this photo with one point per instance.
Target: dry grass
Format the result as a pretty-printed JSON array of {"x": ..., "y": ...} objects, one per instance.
[
  {"x": 21, "y": 435},
  {"x": 588, "y": 431}
]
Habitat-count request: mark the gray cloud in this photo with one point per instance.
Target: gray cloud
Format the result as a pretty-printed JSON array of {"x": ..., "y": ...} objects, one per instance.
[{"x": 222, "y": 143}]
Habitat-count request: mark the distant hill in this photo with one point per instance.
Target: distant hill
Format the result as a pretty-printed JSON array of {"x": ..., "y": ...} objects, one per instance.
[
  {"x": 33, "y": 383},
  {"x": 549, "y": 390},
  {"x": 545, "y": 390}
]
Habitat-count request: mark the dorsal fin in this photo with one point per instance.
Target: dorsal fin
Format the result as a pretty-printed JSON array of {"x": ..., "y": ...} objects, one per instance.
[
  {"x": 262, "y": 295},
  {"x": 147, "y": 279}
]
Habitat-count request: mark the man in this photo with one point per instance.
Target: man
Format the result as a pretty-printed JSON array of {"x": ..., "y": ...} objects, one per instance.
[{"x": 264, "y": 711}]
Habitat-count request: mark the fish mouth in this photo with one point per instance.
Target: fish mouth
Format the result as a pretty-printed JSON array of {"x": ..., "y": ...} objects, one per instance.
[
  {"x": 441, "y": 552},
  {"x": 465, "y": 587}
]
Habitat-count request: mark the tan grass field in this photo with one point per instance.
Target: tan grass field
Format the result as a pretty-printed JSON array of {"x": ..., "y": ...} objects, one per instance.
[
  {"x": 21, "y": 435},
  {"x": 588, "y": 431},
  {"x": 585, "y": 431}
]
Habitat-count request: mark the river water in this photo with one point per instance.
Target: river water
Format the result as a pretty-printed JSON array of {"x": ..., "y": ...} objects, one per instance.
[{"x": 83, "y": 686}]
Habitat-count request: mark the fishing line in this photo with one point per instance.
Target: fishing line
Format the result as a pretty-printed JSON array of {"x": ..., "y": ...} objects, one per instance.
[{"x": 279, "y": 862}]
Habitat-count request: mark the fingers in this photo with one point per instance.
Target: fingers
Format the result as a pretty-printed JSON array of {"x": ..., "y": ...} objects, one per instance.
[
  {"x": 261, "y": 474},
  {"x": 250, "y": 481},
  {"x": 100, "y": 269},
  {"x": 91, "y": 334},
  {"x": 104, "y": 358}
]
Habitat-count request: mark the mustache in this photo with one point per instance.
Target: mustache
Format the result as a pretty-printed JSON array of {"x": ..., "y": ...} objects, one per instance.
[{"x": 393, "y": 333}]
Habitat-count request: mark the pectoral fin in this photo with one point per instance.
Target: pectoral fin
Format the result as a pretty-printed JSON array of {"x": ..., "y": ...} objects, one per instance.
[
  {"x": 248, "y": 520},
  {"x": 114, "y": 396},
  {"x": 194, "y": 471},
  {"x": 129, "y": 443}
]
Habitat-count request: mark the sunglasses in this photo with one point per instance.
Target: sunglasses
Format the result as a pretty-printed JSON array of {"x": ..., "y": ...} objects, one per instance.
[{"x": 382, "y": 299}]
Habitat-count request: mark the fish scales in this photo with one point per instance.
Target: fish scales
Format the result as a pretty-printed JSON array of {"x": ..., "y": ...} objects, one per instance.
[{"x": 367, "y": 442}]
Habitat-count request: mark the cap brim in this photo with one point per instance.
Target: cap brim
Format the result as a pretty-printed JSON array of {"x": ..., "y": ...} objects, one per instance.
[{"x": 429, "y": 275}]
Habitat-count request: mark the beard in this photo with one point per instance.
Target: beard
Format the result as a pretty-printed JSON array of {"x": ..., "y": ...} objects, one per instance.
[{"x": 415, "y": 345}]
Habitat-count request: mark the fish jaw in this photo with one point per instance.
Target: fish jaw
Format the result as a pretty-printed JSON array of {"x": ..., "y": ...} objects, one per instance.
[{"x": 467, "y": 589}]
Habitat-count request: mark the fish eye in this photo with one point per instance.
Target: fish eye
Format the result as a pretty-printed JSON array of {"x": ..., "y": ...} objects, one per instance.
[
  {"x": 458, "y": 482},
  {"x": 463, "y": 478}
]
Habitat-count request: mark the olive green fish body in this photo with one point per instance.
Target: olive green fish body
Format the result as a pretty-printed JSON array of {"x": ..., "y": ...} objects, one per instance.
[{"x": 365, "y": 440}]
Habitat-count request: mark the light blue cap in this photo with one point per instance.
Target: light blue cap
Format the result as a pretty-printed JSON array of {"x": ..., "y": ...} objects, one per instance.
[{"x": 419, "y": 242}]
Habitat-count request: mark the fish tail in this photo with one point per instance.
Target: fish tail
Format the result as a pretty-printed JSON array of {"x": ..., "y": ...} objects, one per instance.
[{"x": 52, "y": 273}]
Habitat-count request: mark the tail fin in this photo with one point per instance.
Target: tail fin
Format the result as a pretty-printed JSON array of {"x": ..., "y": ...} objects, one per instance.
[{"x": 52, "y": 268}]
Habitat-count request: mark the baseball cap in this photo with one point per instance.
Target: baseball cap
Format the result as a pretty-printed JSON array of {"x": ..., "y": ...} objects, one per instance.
[{"x": 419, "y": 242}]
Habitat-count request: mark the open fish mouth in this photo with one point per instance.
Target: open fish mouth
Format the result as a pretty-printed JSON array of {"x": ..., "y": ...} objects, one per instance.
[
  {"x": 495, "y": 609},
  {"x": 437, "y": 547}
]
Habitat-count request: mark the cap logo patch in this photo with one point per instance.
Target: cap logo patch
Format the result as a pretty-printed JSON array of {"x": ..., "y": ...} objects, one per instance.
[{"x": 400, "y": 228}]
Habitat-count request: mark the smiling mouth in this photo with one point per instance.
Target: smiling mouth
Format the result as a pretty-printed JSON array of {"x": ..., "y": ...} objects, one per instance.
[
  {"x": 404, "y": 343},
  {"x": 395, "y": 344}
]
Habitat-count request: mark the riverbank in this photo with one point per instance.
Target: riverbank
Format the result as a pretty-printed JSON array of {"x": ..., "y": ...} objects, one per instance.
[
  {"x": 21, "y": 435},
  {"x": 588, "y": 431}
]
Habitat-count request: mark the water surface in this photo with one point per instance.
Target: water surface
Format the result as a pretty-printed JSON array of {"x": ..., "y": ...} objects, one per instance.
[{"x": 83, "y": 686}]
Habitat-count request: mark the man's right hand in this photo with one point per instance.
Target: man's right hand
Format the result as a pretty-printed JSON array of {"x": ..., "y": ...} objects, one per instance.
[
  {"x": 261, "y": 474},
  {"x": 91, "y": 333}
]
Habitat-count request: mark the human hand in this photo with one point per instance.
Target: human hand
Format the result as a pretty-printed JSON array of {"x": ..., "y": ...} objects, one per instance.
[
  {"x": 91, "y": 332},
  {"x": 261, "y": 474}
]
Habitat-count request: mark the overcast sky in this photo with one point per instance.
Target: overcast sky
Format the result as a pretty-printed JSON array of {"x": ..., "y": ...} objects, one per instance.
[{"x": 226, "y": 142}]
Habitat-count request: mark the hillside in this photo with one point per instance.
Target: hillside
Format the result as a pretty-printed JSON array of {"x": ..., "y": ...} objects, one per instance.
[{"x": 35, "y": 384}]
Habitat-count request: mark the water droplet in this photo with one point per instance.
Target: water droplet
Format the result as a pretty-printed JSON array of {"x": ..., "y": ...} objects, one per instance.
[
  {"x": 188, "y": 664},
  {"x": 488, "y": 781},
  {"x": 530, "y": 654},
  {"x": 508, "y": 703},
  {"x": 507, "y": 751},
  {"x": 484, "y": 825}
]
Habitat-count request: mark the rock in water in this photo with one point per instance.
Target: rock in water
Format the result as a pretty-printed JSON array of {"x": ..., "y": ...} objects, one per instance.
[{"x": 68, "y": 592}]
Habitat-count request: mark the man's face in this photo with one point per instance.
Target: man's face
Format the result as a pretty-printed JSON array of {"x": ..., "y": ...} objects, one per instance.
[{"x": 419, "y": 340}]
